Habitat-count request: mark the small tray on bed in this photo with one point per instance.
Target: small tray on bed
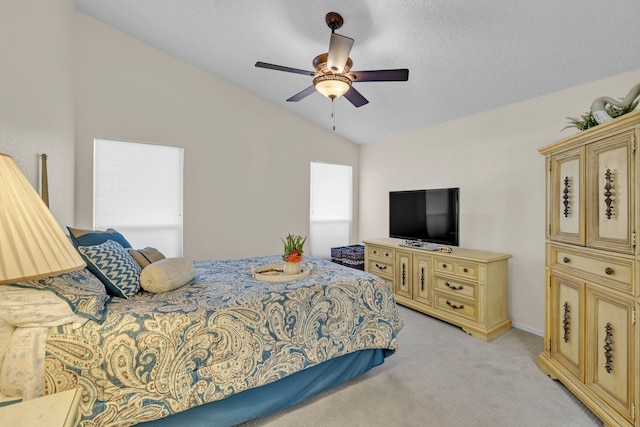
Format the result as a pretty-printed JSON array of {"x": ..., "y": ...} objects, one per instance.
[{"x": 275, "y": 273}]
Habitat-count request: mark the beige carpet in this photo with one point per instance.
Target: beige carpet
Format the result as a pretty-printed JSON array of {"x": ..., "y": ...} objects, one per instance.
[{"x": 442, "y": 377}]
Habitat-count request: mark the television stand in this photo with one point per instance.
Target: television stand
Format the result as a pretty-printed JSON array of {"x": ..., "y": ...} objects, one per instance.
[{"x": 466, "y": 287}]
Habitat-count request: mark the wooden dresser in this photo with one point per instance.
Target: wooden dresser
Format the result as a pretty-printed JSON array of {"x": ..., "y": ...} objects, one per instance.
[
  {"x": 467, "y": 288},
  {"x": 591, "y": 333},
  {"x": 52, "y": 410}
]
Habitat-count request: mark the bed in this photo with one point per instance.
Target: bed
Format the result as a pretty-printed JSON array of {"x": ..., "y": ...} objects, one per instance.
[{"x": 221, "y": 349}]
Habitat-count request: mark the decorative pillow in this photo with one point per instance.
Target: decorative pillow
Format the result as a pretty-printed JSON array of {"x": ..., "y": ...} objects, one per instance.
[
  {"x": 82, "y": 291},
  {"x": 146, "y": 256},
  {"x": 166, "y": 275},
  {"x": 112, "y": 264},
  {"x": 95, "y": 237}
]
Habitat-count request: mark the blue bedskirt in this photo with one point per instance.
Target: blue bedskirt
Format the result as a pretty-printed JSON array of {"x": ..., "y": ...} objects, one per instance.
[{"x": 273, "y": 397}]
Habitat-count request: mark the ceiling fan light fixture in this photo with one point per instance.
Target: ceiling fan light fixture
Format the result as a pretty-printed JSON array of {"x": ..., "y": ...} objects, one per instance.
[
  {"x": 332, "y": 85},
  {"x": 333, "y": 76}
]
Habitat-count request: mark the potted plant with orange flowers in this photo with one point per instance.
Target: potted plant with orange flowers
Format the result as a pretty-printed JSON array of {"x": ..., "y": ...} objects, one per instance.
[{"x": 293, "y": 253}]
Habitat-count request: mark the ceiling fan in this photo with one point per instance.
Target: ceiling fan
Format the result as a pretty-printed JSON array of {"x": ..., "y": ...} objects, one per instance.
[{"x": 333, "y": 76}]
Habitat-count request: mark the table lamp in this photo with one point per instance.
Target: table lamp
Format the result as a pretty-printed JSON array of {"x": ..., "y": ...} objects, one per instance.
[{"x": 32, "y": 244}]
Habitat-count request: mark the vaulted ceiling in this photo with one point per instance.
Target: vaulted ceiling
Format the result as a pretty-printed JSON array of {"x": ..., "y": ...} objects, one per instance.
[{"x": 464, "y": 56}]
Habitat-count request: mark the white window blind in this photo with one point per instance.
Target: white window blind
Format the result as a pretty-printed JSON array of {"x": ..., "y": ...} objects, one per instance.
[
  {"x": 138, "y": 191},
  {"x": 331, "y": 208}
]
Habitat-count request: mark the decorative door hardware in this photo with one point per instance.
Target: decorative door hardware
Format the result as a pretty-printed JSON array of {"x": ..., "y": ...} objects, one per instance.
[
  {"x": 607, "y": 347},
  {"x": 566, "y": 321},
  {"x": 608, "y": 177},
  {"x": 565, "y": 196}
]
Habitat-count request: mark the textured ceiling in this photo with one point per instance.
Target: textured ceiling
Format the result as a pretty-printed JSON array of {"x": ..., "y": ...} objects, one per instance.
[{"x": 464, "y": 56}]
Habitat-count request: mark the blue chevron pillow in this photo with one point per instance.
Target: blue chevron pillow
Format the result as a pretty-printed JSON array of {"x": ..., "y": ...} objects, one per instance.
[{"x": 111, "y": 263}]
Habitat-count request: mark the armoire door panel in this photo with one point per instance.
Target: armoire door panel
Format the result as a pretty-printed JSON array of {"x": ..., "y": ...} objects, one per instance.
[
  {"x": 611, "y": 349},
  {"x": 611, "y": 185},
  {"x": 567, "y": 344},
  {"x": 567, "y": 198}
]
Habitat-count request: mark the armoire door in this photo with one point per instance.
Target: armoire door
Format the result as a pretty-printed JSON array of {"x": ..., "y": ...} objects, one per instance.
[
  {"x": 611, "y": 185},
  {"x": 611, "y": 349},
  {"x": 567, "y": 323},
  {"x": 567, "y": 201}
]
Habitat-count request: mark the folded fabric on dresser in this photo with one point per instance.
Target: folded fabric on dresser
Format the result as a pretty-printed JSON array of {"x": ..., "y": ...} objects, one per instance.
[
  {"x": 28, "y": 313},
  {"x": 27, "y": 310}
]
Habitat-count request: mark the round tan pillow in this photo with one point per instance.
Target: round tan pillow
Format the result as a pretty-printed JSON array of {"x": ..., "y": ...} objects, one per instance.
[{"x": 167, "y": 274}]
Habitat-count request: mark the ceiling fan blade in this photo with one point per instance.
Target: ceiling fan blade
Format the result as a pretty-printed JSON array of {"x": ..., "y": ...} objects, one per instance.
[
  {"x": 282, "y": 68},
  {"x": 339, "y": 49},
  {"x": 300, "y": 95},
  {"x": 399, "y": 75},
  {"x": 355, "y": 97}
]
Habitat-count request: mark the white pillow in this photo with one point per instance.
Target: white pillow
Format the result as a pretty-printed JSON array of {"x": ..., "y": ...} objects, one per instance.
[{"x": 166, "y": 275}]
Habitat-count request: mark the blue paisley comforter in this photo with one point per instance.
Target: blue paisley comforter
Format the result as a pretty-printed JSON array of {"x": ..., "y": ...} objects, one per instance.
[{"x": 222, "y": 333}]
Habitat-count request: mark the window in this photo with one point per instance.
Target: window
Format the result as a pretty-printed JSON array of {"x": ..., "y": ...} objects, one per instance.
[
  {"x": 138, "y": 191},
  {"x": 331, "y": 208}
]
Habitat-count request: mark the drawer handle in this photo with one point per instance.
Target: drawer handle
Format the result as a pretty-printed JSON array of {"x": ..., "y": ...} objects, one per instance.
[
  {"x": 455, "y": 307},
  {"x": 466, "y": 270},
  {"x": 374, "y": 252},
  {"x": 444, "y": 265},
  {"x": 386, "y": 254},
  {"x": 566, "y": 260},
  {"x": 608, "y": 271},
  {"x": 455, "y": 288},
  {"x": 381, "y": 267},
  {"x": 608, "y": 329}
]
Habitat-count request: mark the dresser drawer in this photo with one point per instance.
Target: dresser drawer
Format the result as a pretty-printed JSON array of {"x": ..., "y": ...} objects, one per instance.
[
  {"x": 379, "y": 252},
  {"x": 616, "y": 273},
  {"x": 466, "y": 270},
  {"x": 459, "y": 288},
  {"x": 380, "y": 267},
  {"x": 459, "y": 307},
  {"x": 444, "y": 266},
  {"x": 458, "y": 268}
]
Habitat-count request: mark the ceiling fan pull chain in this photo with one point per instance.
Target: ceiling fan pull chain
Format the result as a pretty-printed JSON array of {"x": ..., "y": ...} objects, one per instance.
[{"x": 333, "y": 113}]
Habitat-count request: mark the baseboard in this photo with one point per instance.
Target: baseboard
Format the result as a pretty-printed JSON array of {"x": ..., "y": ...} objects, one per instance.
[{"x": 527, "y": 329}]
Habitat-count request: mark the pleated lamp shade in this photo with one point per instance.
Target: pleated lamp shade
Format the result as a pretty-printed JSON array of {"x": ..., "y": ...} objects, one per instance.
[{"x": 32, "y": 244}]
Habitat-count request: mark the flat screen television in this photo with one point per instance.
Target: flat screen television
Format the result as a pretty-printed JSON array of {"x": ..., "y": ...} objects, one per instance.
[{"x": 425, "y": 215}]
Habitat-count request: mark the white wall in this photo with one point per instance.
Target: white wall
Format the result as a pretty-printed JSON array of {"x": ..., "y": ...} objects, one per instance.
[
  {"x": 36, "y": 98},
  {"x": 246, "y": 161},
  {"x": 493, "y": 158}
]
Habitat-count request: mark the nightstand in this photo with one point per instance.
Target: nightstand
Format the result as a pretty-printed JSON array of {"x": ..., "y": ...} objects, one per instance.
[{"x": 52, "y": 410}]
